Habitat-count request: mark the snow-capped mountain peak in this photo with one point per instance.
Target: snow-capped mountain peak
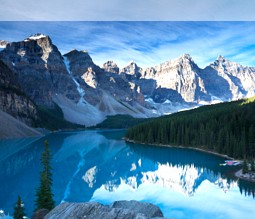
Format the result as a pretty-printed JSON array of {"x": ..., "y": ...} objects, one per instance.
[{"x": 36, "y": 36}]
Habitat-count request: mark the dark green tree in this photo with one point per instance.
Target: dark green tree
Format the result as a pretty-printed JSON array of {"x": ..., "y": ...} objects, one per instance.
[
  {"x": 19, "y": 209},
  {"x": 226, "y": 128},
  {"x": 245, "y": 166},
  {"x": 252, "y": 165},
  {"x": 44, "y": 195}
]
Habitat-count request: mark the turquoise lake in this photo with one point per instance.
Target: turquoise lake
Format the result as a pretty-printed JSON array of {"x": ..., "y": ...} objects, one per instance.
[{"x": 100, "y": 166}]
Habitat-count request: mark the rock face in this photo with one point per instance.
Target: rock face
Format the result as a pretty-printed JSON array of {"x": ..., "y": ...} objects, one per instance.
[
  {"x": 13, "y": 100},
  {"x": 96, "y": 81},
  {"x": 39, "y": 69},
  {"x": 110, "y": 66},
  {"x": 132, "y": 70},
  {"x": 87, "y": 93},
  {"x": 180, "y": 75},
  {"x": 89, "y": 78},
  {"x": 234, "y": 80},
  {"x": 118, "y": 210}
]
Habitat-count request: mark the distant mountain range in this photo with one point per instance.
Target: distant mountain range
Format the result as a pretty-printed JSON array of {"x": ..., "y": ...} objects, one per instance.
[{"x": 87, "y": 93}]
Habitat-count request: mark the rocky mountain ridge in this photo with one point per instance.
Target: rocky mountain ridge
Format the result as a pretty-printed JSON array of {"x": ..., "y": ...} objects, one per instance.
[
  {"x": 87, "y": 93},
  {"x": 39, "y": 69}
]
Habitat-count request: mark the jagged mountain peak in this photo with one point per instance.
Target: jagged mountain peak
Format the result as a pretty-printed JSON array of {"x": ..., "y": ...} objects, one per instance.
[
  {"x": 152, "y": 91},
  {"x": 184, "y": 58},
  {"x": 77, "y": 52},
  {"x": 132, "y": 62},
  {"x": 36, "y": 36},
  {"x": 132, "y": 69},
  {"x": 80, "y": 56},
  {"x": 220, "y": 58},
  {"x": 221, "y": 61},
  {"x": 39, "y": 45},
  {"x": 110, "y": 63},
  {"x": 111, "y": 66},
  {"x": 71, "y": 52}
]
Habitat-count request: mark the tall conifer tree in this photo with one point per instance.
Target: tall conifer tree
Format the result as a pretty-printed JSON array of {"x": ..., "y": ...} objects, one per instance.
[
  {"x": 44, "y": 195},
  {"x": 19, "y": 209}
]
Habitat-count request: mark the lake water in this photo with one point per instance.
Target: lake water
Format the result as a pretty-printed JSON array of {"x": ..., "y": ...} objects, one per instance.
[{"x": 100, "y": 166}]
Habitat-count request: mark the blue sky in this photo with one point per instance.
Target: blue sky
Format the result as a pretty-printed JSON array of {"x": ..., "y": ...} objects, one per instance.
[{"x": 147, "y": 43}]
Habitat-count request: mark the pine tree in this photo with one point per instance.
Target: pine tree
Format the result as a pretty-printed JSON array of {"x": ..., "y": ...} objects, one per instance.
[
  {"x": 252, "y": 165},
  {"x": 44, "y": 194},
  {"x": 245, "y": 166},
  {"x": 19, "y": 209}
]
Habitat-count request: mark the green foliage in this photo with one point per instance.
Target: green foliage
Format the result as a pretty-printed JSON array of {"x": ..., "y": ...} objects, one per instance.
[
  {"x": 245, "y": 168},
  {"x": 226, "y": 128},
  {"x": 44, "y": 196},
  {"x": 119, "y": 122},
  {"x": 53, "y": 119},
  {"x": 252, "y": 165},
  {"x": 19, "y": 209}
]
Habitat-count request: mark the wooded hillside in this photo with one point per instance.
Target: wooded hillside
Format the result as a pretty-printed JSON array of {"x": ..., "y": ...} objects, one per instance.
[{"x": 226, "y": 128}]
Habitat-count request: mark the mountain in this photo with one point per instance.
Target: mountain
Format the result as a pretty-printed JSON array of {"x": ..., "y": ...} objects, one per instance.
[
  {"x": 17, "y": 111},
  {"x": 87, "y": 93},
  {"x": 39, "y": 69},
  {"x": 13, "y": 100},
  {"x": 225, "y": 128},
  {"x": 234, "y": 80},
  {"x": 180, "y": 76}
]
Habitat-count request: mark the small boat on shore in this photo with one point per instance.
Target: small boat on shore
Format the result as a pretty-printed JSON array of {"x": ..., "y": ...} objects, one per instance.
[{"x": 231, "y": 163}]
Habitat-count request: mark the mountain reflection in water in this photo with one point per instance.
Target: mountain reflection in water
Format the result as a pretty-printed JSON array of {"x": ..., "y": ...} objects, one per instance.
[{"x": 100, "y": 166}]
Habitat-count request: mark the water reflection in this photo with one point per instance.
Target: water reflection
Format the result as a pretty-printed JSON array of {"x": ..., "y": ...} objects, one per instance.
[{"x": 100, "y": 166}]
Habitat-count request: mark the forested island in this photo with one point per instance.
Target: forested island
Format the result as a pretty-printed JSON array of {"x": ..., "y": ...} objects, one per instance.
[{"x": 225, "y": 128}]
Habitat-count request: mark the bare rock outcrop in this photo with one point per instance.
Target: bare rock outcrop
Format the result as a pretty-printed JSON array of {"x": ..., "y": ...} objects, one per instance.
[
  {"x": 117, "y": 210},
  {"x": 111, "y": 66},
  {"x": 89, "y": 78}
]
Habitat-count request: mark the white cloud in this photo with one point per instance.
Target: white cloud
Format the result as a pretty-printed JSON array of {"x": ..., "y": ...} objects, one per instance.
[
  {"x": 179, "y": 10},
  {"x": 147, "y": 43}
]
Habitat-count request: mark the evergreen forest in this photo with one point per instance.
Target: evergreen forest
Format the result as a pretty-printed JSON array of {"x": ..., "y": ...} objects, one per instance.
[{"x": 226, "y": 128}]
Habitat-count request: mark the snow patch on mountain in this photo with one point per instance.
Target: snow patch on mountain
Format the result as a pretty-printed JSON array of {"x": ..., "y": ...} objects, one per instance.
[
  {"x": 80, "y": 90},
  {"x": 35, "y": 37},
  {"x": 166, "y": 107}
]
